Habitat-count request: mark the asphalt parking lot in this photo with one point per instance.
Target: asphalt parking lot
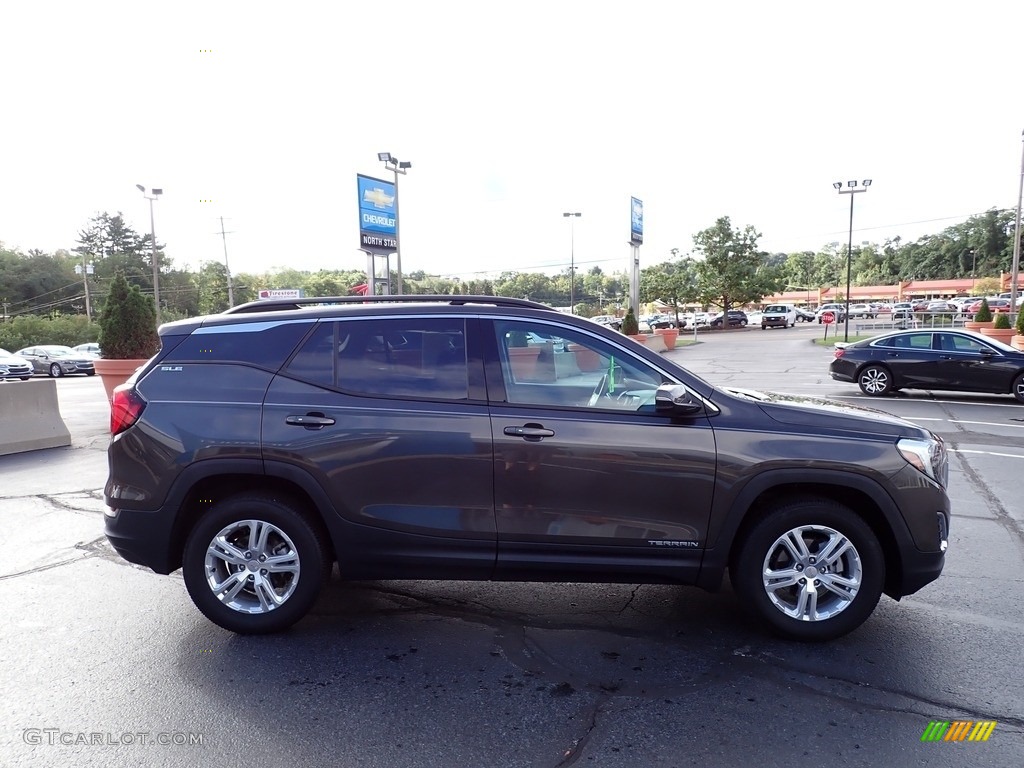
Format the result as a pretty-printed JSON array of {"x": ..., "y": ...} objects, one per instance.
[{"x": 104, "y": 661}]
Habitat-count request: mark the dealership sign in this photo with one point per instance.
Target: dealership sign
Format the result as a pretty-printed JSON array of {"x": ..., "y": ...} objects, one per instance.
[
  {"x": 636, "y": 221},
  {"x": 378, "y": 221},
  {"x": 283, "y": 293}
]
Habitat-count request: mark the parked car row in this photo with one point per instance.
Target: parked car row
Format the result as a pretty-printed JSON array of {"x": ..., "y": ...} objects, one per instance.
[{"x": 55, "y": 360}]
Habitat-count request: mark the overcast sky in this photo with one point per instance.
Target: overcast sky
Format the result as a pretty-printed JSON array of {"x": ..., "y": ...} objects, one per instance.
[{"x": 511, "y": 114}]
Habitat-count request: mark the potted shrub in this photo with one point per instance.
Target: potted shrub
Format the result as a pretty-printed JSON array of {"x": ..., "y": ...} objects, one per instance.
[
  {"x": 982, "y": 318},
  {"x": 631, "y": 328},
  {"x": 1000, "y": 330},
  {"x": 128, "y": 336},
  {"x": 1018, "y": 339}
]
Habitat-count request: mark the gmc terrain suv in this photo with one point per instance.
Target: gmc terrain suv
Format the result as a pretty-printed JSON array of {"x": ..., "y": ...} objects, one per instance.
[{"x": 412, "y": 437}]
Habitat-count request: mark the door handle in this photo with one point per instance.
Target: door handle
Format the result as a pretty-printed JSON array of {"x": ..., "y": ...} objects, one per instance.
[
  {"x": 532, "y": 432},
  {"x": 310, "y": 421}
]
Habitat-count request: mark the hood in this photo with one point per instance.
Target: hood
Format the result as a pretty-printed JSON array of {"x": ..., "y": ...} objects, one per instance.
[{"x": 804, "y": 411}]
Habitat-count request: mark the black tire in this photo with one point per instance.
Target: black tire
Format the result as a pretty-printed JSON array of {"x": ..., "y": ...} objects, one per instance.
[
  {"x": 288, "y": 532},
  {"x": 743, "y": 323},
  {"x": 25, "y": 378},
  {"x": 875, "y": 380},
  {"x": 763, "y": 326},
  {"x": 56, "y": 371},
  {"x": 90, "y": 373},
  {"x": 1018, "y": 388},
  {"x": 858, "y": 570}
]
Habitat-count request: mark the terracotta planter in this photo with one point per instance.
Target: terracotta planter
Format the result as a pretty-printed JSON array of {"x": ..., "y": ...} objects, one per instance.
[
  {"x": 639, "y": 338},
  {"x": 999, "y": 334},
  {"x": 524, "y": 362},
  {"x": 586, "y": 359},
  {"x": 1017, "y": 341},
  {"x": 113, "y": 373},
  {"x": 972, "y": 325},
  {"x": 670, "y": 335}
]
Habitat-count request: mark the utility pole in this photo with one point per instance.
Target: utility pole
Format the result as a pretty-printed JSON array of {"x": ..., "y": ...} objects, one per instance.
[{"x": 231, "y": 290}]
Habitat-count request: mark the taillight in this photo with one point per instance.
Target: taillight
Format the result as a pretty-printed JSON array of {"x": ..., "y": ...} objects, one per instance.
[
  {"x": 839, "y": 352},
  {"x": 125, "y": 408}
]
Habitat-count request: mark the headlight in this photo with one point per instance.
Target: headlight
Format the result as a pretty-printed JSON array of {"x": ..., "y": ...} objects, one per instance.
[{"x": 929, "y": 456}]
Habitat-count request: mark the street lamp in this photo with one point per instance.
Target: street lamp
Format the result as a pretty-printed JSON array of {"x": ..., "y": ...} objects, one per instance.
[
  {"x": 572, "y": 259},
  {"x": 851, "y": 190},
  {"x": 398, "y": 167},
  {"x": 153, "y": 194}
]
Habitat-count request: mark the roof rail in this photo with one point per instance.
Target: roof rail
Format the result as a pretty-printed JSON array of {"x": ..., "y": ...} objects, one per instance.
[{"x": 275, "y": 305}]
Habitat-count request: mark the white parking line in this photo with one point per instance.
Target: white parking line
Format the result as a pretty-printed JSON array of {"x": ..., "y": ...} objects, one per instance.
[
  {"x": 987, "y": 453},
  {"x": 961, "y": 421}
]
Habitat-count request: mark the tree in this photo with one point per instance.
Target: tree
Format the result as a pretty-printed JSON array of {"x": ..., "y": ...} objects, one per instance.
[
  {"x": 733, "y": 271},
  {"x": 112, "y": 246},
  {"x": 674, "y": 282}
]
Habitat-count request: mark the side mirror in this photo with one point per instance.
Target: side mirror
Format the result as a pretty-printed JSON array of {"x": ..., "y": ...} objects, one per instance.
[{"x": 675, "y": 399}]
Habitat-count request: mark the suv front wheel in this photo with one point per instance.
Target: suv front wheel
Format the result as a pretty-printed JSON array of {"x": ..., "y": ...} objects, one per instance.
[
  {"x": 812, "y": 568},
  {"x": 253, "y": 564}
]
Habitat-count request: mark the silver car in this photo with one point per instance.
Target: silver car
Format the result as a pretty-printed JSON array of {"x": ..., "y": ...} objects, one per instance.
[
  {"x": 14, "y": 367},
  {"x": 57, "y": 360}
]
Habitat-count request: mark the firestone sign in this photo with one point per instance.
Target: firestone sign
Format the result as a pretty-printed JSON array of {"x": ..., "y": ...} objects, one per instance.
[
  {"x": 282, "y": 293},
  {"x": 378, "y": 223}
]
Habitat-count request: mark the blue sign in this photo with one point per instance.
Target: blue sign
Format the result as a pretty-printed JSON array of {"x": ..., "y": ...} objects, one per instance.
[
  {"x": 378, "y": 222},
  {"x": 636, "y": 221}
]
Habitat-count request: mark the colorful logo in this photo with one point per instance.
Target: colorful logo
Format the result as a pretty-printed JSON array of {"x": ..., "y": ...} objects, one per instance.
[{"x": 958, "y": 730}]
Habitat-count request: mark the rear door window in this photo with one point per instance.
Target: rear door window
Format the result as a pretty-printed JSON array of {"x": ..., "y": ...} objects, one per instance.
[{"x": 422, "y": 358}]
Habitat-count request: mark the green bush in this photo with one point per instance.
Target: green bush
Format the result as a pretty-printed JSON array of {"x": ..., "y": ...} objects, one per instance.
[
  {"x": 984, "y": 314},
  {"x": 630, "y": 326},
  {"x": 1020, "y": 321},
  {"x": 1002, "y": 321},
  {"x": 518, "y": 339},
  {"x": 128, "y": 323},
  {"x": 31, "y": 330}
]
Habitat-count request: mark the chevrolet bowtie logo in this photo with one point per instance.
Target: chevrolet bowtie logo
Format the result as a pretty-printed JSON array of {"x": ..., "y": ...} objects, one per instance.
[{"x": 378, "y": 197}]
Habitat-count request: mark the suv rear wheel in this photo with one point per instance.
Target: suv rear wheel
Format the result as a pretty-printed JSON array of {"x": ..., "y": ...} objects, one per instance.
[
  {"x": 811, "y": 568},
  {"x": 253, "y": 564}
]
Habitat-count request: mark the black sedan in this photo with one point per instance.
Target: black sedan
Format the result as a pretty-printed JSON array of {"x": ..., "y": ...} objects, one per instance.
[
  {"x": 737, "y": 318},
  {"x": 58, "y": 360},
  {"x": 950, "y": 360}
]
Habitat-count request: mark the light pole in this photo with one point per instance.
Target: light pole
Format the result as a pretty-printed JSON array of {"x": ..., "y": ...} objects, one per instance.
[
  {"x": 851, "y": 190},
  {"x": 572, "y": 259},
  {"x": 398, "y": 167},
  {"x": 153, "y": 194},
  {"x": 1015, "y": 269}
]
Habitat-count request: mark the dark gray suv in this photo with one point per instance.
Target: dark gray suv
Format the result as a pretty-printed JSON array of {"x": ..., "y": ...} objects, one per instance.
[{"x": 420, "y": 437}]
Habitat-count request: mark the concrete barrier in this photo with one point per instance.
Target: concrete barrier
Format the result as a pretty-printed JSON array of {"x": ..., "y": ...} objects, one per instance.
[{"x": 30, "y": 417}]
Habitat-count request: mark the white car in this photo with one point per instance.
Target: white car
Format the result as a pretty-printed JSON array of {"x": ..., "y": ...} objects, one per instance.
[
  {"x": 91, "y": 348},
  {"x": 14, "y": 367},
  {"x": 838, "y": 312},
  {"x": 861, "y": 310}
]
